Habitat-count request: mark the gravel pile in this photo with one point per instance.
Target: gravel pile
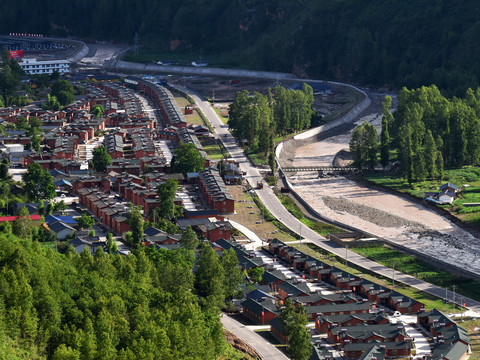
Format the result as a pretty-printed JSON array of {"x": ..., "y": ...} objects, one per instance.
[{"x": 367, "y": 213}]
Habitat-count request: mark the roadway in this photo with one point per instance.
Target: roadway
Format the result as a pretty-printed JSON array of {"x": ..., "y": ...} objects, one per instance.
[
  {"x": 273, "y": 204},
  {"x": 266, "y": 350}
]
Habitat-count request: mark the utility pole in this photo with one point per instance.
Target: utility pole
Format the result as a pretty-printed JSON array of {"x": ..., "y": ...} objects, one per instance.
[
  {"x": 346, "y": 255},
  {"x": 453, "y": 296},
  {"x": 446, "y": 299},
  {"x": 393, "y": 274},
  {"x": 136, "y": 43}
]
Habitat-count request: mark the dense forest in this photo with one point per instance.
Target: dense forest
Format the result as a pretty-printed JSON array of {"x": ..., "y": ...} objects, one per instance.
[
  {"x": 258, "y": 118},
  {"x": 391, "y": 42},
  {"x": 429, "y": 133},
  {"x": 149, "y": 305}
]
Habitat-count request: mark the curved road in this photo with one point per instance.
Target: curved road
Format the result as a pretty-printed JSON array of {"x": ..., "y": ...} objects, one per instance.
[
  {"x": 271, "y": 201},
  {"x": 266, "y": 350}
]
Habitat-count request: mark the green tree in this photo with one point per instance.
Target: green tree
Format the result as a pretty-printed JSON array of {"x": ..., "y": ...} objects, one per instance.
[
  {"x": 233, "y": 273},
  {"x": 189, "y": 239},
  {"x": 64, "y": 352},
  {"x": 97, "y": 111},
  {"x": 419, "y": 166},
  {"x": 4, "y": 171},
  {"x": 371, "y": 145},
  {"x": 49, "y": 209},
  {"x": 112, "y": 245},
  {"x": 209, "y": 278},
  {"x": 38, "y": 183},
  {"x": 136, "y": 224},
  {"x": 294, "y": 321},
  {"x": 357, "y": 147},
  {"x": 439, "y": 165},
  {"x": 22, "y": 225},
  {"x": 430, "y": 152},
  {"x": 188, "y": 159},
  {"x": 85, "y": 221},
  {"x": 64, "y": 92},
  {"x": 166, "y": 193},
  {"x": 255, "y": 274},
  {"x": 101, "y": 159}
]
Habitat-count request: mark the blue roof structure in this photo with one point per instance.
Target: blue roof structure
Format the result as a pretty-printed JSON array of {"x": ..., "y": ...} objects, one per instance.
[
  {"x": 69, "y": 220},
  {"x": 62, "y": 182}
]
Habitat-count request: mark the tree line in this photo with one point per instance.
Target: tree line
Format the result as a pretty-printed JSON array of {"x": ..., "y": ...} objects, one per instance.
[
  {"x": 259, "y": 118},
  {"x": 391, "y": 43},
  {"x": 427, "y": 133},
  {"x": 150, "y": 305}
]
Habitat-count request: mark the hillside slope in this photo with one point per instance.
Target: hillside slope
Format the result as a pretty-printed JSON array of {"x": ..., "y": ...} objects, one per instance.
[{"x": 391, "y": 42}]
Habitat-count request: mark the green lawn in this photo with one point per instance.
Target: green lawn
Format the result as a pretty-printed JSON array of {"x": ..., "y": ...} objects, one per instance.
[
  {"x": 215, "y": 152},
  {"x": 320, "y": 227},
  {"x": 223, "y": 118},
  {"x": 412, "y": 266},
  {"x": 430, "y": 302},
  {"x": 470, "y": 194}
]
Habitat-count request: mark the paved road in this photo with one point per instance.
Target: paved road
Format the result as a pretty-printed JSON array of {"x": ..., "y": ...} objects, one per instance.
[
  {"x": 266, "y": 350},
  {"x": 272, "y": 203}
]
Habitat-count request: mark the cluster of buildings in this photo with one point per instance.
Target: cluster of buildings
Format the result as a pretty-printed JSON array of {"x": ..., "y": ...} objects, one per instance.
[
  {"x": 352, "y": 315},
  {"x": 446, "y": 194}
]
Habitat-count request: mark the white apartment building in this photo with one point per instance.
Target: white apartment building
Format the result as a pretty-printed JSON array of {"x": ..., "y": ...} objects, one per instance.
[{"x": 34, "y": 66}]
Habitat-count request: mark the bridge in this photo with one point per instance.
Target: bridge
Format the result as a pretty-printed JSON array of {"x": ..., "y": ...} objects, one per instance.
[{"x": 319, "y": 168}]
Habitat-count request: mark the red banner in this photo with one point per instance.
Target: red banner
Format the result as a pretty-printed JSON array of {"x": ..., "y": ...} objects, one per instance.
[{"x": 16, "y": 54}]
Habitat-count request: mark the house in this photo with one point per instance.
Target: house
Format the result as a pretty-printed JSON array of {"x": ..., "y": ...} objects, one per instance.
[
  {"x": 367, "y": 333},
  {"x": 36, "y": 219},
  {"x": 290, "y": 288},
  {"x": 456, "y": 351},
  {"x": 449, "y": 187},
  {"x": 262, "y": 310},
  {"x": 61, "y": 230},
  {"x": 325, "y": 322},
  {"x": 91, "y": 243},
  {"x": 277, "y": 330},
  {"x": 69, "y": 220},
  {"x": 374, "y": 353},
  {"x": 392, "y": 349},
  {"x": 338, "y": 309},
  {"x": 321, "y": 353}
]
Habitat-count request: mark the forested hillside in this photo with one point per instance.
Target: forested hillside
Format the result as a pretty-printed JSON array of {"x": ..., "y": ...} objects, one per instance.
[
  {"x": 55, "y": 306},
  {"x": 390, "y": 42}
]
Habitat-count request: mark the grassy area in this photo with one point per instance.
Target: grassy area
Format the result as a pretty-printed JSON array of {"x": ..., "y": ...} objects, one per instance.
[
  {"x": 216, "y": 152},
  {"x": 430, "y": 302},
  {"x": 258, "y": 220},
  {"x": 472, "y": 325},
  {"x": 320, "y": 227},
  {"x": 257, "y": 159},
  {"x": 219, "y": 113},
  {"x": 410, "y": 265},
  {"x": 467, "y": 175}
]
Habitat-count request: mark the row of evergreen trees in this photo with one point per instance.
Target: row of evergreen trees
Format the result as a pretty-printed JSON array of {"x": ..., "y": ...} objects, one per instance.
[
  {"x": 427, "y": 131},
  {"x": 259, "y": 118}
]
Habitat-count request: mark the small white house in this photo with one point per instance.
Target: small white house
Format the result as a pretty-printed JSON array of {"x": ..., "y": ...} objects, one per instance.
[{"x": 61, "y": 230}]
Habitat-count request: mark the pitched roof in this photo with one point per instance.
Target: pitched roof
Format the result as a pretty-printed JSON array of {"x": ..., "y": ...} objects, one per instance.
[
  {"x": 58, "y": 226},
  {"x": 12, "y": 218}
]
